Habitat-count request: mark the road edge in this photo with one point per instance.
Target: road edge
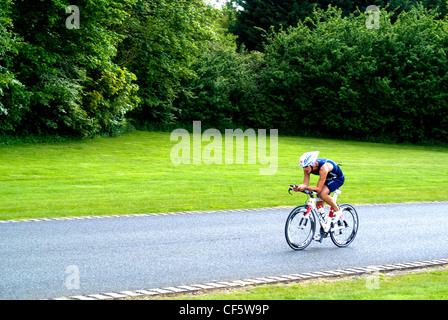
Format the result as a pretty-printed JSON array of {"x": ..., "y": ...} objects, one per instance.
[
  {"x": 297, "y": 277},
  {"x": 196, "y": 212}
]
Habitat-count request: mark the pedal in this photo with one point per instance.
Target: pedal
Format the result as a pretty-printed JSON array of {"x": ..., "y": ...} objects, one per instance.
[{"x": 319, "y": 238}]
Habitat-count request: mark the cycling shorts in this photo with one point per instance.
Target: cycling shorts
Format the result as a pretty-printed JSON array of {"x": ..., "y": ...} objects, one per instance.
[{"x": 335, "y": 183}]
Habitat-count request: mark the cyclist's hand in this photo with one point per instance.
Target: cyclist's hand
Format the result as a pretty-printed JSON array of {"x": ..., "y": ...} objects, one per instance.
[{"x": 301, "y": 187}]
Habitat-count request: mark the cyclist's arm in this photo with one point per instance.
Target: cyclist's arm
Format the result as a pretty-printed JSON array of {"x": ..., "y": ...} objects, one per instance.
[
  {"x": 306, "y": 179},
  {"x": 306, "y": 182},
  {"x": 323, "y": 172}
]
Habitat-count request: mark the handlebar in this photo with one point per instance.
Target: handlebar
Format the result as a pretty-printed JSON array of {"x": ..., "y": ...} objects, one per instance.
[{"x": 308, "y": 192}]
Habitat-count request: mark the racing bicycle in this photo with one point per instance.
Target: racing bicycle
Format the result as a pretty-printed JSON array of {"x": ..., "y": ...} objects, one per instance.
[{"x": 305, "y": 220}]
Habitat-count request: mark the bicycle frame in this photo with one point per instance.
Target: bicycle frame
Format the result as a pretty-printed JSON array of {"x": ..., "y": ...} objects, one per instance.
[{"x": 326, "y": 225}]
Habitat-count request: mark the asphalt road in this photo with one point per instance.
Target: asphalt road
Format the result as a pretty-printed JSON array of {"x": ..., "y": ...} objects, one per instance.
[{"x": 44, "y": 259}]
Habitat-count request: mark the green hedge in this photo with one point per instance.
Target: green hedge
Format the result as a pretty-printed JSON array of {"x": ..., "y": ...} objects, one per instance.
[{"x": 332, "y": 76}]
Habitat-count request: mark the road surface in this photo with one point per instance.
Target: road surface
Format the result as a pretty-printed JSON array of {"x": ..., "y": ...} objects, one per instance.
[{"x": 56, "y": 258}]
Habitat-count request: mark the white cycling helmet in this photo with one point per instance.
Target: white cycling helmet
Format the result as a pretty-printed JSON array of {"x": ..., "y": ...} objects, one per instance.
[{"x": 308, "y": 158}]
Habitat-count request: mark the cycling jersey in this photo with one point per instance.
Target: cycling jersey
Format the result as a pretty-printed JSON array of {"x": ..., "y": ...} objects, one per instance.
[
  {"x": 335, "y": 178},
  {"x": 333, "y": 174}
]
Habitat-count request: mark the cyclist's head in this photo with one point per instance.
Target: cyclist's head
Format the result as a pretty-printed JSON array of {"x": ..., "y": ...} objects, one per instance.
[{"x": 308, "y": 159}]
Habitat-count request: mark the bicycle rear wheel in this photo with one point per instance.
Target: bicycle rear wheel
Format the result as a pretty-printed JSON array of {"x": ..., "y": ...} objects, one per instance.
[
  {"x": 299, "y": 230},
  {"x": 346, "y": 229}
]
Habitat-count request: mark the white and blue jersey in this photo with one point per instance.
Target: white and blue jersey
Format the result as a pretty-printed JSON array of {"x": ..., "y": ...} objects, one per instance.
[{"x": 335, "y": 178}]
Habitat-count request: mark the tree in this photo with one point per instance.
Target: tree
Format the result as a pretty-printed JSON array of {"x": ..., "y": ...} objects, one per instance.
[
  {"x": 14, "y": 100},
  {"x": 258, "y": 16},
  {"x": 162, "y": 40},
  {"x": 226, "y": 89},
  {"x": 73, "y": 84}
]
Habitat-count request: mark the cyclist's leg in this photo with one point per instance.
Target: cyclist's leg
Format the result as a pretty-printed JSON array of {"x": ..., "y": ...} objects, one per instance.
[
  {"x": 325, "y": 196},
  {"x": 320, "y": 203},
  {"x": 332, "y": 186}
]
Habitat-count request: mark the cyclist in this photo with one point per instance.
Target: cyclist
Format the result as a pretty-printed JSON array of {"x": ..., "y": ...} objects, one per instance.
[{"x": 330, "y": 179}]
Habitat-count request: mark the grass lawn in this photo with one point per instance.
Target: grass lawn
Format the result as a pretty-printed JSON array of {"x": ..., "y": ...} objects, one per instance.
[
  {"x": 133, "y": 173},
  {"x": 430, "y": 285}
]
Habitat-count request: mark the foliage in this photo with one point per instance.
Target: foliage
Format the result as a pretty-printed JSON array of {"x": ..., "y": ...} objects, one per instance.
[
  {"x": 225, "y": 91},
  {"x": 331, "y": 76},
  {"x": 258, "y": 16},
  {"x": 169, "y": 62},
  {"x": 162, "y": 39},
  {"x": 72, "y": 86},
  {"x": 14, "y": 98}
]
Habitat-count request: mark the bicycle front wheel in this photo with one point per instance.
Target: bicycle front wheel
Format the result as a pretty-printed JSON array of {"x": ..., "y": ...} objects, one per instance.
[
  {"x": 299, "y": 230},
  {"x": 345, "y": 230}
]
